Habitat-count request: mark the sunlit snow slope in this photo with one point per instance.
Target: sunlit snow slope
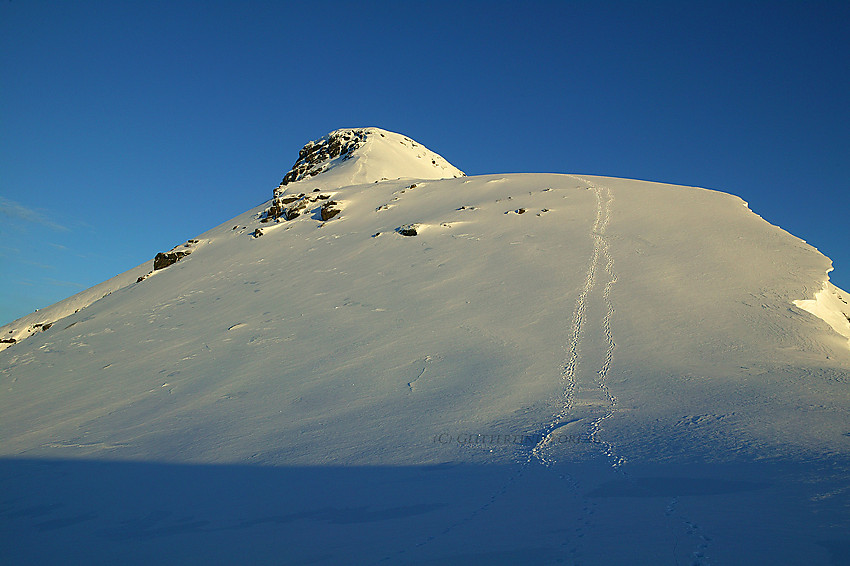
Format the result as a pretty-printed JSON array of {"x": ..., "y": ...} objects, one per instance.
[{"x": 526, "y": 321}]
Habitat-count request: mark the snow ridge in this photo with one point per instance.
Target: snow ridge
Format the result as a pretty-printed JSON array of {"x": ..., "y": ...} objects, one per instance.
[{"x": 832, "y": 305}]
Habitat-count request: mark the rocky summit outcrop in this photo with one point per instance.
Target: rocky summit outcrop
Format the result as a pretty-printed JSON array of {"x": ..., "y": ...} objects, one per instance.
[
  {"x": 345, "y": 158},
  {"x": 354, "y": 156},
  {"x": 313, "y": 157}
]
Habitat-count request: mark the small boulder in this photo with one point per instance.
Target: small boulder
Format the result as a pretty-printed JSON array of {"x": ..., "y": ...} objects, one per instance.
[
  {"x": 328, "y": 210},
  {"x": 163, "y": 260},
  {"x": 409, "y": 230}
]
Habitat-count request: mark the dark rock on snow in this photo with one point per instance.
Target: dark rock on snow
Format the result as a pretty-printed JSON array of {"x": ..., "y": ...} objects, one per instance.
[
  {"x": 163, "y": 260},
  {"x": 328, "y": 210}
]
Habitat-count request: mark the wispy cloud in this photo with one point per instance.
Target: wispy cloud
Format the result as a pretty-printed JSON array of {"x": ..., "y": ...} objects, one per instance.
[
  {"x": 60, "y": 283},
  {"x": 36, "y": 264},
  {"x": 6, "y": 250},
  {"x": 17, "y": 211}
]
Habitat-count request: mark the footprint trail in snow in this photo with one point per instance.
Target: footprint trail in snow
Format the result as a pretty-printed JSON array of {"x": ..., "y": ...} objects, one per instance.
[
  {"x": 578, "y": 331},
  {"x": 601, "y": 261}
]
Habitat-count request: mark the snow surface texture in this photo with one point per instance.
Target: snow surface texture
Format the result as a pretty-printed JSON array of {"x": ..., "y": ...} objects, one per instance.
[{"x": 496, "y": 369}]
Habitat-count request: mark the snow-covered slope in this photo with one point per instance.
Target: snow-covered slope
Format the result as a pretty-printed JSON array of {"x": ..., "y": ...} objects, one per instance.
[
  {"x": 43, "y": 319},
  {"x": 556, "y": 359},
  {"x": 347, "y": 156}
]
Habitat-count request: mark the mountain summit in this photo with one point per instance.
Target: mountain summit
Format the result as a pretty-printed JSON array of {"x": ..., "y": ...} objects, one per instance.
[
  {"x": 354, "y": 156},
  {"x": 389, "y": 358}
]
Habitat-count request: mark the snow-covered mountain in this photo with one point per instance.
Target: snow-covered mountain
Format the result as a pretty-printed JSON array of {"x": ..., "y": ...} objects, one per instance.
[{"x": 391, "y": 361}]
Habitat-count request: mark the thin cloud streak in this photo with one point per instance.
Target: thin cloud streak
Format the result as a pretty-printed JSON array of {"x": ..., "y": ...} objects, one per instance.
[
  {"x": 17, "y": 211},
  {"x": 61, "y": 283}
]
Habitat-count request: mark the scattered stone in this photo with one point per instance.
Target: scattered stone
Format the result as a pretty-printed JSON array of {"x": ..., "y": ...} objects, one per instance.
[
  {"x": 520, "y": 211},
  {"x": 257, "y": 233},
  {"x": 46, "y": 326},
  {"x": 7, "y": 341}
]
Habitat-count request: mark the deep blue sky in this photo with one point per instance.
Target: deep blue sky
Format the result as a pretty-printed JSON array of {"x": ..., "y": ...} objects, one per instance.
[{"x": 129, "y": 127}]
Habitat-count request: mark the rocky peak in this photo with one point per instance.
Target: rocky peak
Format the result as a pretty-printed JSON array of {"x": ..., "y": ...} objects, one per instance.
[
  {"x": 316, "y": 155},
  {"x": 352, "y": 156}
]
